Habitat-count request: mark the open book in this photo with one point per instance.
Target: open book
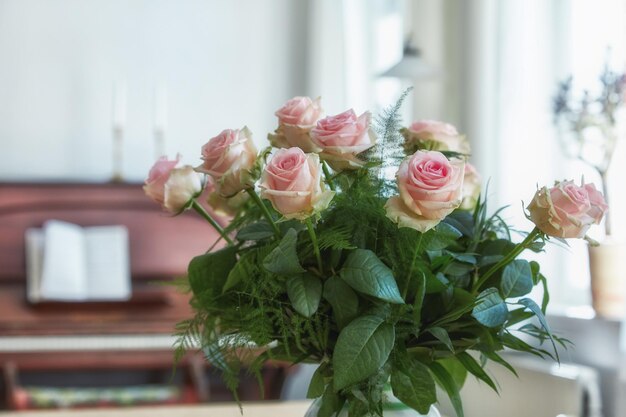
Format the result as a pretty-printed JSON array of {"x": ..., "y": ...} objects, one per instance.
[{"x": 66, "y": 262}]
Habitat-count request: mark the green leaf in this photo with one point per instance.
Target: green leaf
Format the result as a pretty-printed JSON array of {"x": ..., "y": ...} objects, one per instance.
[
  {"x": 442, "y": 335},
  {"x": 532, "y": 306},
  {"x": 498, "y": 359},
  {"x": 516, "y": 279},
  {"x": 475, "y": 369},
  {"x": 461, "y": 220},
  {"x": 332, "y": 403},
  {"x": 343, "y": 300},
  {"x": 208, "y": 273},
  {"x": 305, "y": 292},
  {"x": 242, "y": 269},
  {"x": 436, "y": 283},
  {"x": 255, "y": 231},
  {"x": 316, "y": 386},
  {"x": 367, "y": 274},
  {"x": 450, "y": 387},
  {"x": 419, "y": 301},
  {"x": 456, "y": 370},
  {"x": 491, "y": 311},
  {"x": 442, "y": 236},
  {"x": 362, "y": 348},
  {"x": 283, "y": 260},
  {"x": 414, "y": 386}
]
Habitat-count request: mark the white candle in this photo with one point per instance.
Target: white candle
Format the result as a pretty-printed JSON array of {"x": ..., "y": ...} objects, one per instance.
[
  {"x": 119, "y": 105},
  {"x": 160, "y": 108}
]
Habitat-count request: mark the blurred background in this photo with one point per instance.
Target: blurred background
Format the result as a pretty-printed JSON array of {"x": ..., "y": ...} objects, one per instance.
[{"x": 164, "y": 76}]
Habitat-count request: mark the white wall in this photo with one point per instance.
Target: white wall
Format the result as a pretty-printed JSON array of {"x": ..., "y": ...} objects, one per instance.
[{"x": 225, "y": 63}]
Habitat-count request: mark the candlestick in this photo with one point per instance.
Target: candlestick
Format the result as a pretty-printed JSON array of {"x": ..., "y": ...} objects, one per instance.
[
  {"x": 119, "y": 121},
  {"x": 160, "y": 119}
]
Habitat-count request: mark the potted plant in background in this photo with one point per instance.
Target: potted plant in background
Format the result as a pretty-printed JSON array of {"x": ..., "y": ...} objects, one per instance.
[
  {"x": 588, "y": 129},
  {"x": 391, "y": 285}
]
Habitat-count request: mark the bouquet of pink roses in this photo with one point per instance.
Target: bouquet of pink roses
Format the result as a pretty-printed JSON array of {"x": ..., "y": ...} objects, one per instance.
[{"x": 378, "y": 280}]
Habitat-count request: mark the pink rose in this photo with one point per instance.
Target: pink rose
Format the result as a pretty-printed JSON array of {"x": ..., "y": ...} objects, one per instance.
[
  {"x": 434, "y": 135},
  {"x": 430, "y": 188},
  {"x": 567, "y": 210},
  {"x": 173, "y": 188},
  {"x": 228, "y": 158},
  {"x": 159, "y": 174},
  {"x": 295, "y": 121},
  {"x": 598, "y": 204},
  {"x": 292, "y": 182},
  {"x": 471, "y": 187},
  {"x": 221, "y": 205},
  {"x": 342, "y": 137}
]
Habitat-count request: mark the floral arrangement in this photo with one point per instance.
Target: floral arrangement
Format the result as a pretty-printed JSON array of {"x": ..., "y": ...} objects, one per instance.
[
  {"x": 588, "y": 123},
  {"x": 408, "y": 280}
]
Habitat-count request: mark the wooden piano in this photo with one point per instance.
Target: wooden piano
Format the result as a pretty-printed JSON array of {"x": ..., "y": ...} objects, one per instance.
[{"x": 131, "y": 335}]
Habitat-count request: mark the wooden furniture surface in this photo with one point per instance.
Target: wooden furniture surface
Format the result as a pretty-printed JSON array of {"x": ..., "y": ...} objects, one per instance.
[
  {"x": 160, "y": 249},
  {"x": 266, "y": 409}
]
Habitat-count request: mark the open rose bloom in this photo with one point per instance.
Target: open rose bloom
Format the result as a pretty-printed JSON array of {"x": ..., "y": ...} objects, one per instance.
[
  {"x": 434, "y": 135},
  {"x": 567, "y": 210},
  {"x": 296, "y": 118},
  {"x": 430, "y": 188},
  {"x": 228, "y": 159},
  {"x": 342, "y": 137},
  {"x": 173, "y": 188},
  {"x": 292, "y": 182}
]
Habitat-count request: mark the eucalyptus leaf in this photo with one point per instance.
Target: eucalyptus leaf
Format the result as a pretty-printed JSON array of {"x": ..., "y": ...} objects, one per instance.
[
  {"x": 305, "y": 292},
  {"x": 491, "y": 311},
  {"x": 362, "y": 348},
  {"x": 283, "y": 260},
  {"x": 516, "y": 279},
  {"x": 367, "y": 274},
  {"x": 343, "y": 300}
]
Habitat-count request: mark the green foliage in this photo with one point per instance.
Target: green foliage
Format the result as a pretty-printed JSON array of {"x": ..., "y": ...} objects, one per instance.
[
  {"x": 386, "y": 305},
  {"x": 362, "y": 348},
  {"x": 365, "y": 273}
]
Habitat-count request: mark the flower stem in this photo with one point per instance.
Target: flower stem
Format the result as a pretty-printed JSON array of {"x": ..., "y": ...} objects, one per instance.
[
  {"x": 202, "y": 212},
  {"x": 519, "y": 248},
  {"x": 264, "y": 209},
  {"x": 329, "y": 177},
  {"x": 408, "y": 278},
  {"x": 316, "y": 248}
]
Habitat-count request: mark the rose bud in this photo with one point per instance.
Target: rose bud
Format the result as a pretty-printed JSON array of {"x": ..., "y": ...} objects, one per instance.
[
  {"x": 434, "y": 135},
  {"x": 567, "y": 210},
  {"x": 223, "y": 206},
  {"x": 292, "y": 182},
  {"x": 342, "y": 137},
  {"x": 430, "y": 188},
  {"x": 471, "y": 187},
  {"x": 172, "y": 188},
  {"x": 228, "y": 159},
  {"x": 295, "y": 121}
]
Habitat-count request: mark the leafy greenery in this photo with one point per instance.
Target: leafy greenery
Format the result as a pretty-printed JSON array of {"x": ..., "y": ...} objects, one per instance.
[{"x": 384, "y": 305}]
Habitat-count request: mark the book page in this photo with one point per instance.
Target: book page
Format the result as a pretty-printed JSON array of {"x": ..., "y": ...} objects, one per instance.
[
  {"x": 64, "y": 272},
  {"x": 107, "y": 263},
  {"x": 34, "y": 263}
]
